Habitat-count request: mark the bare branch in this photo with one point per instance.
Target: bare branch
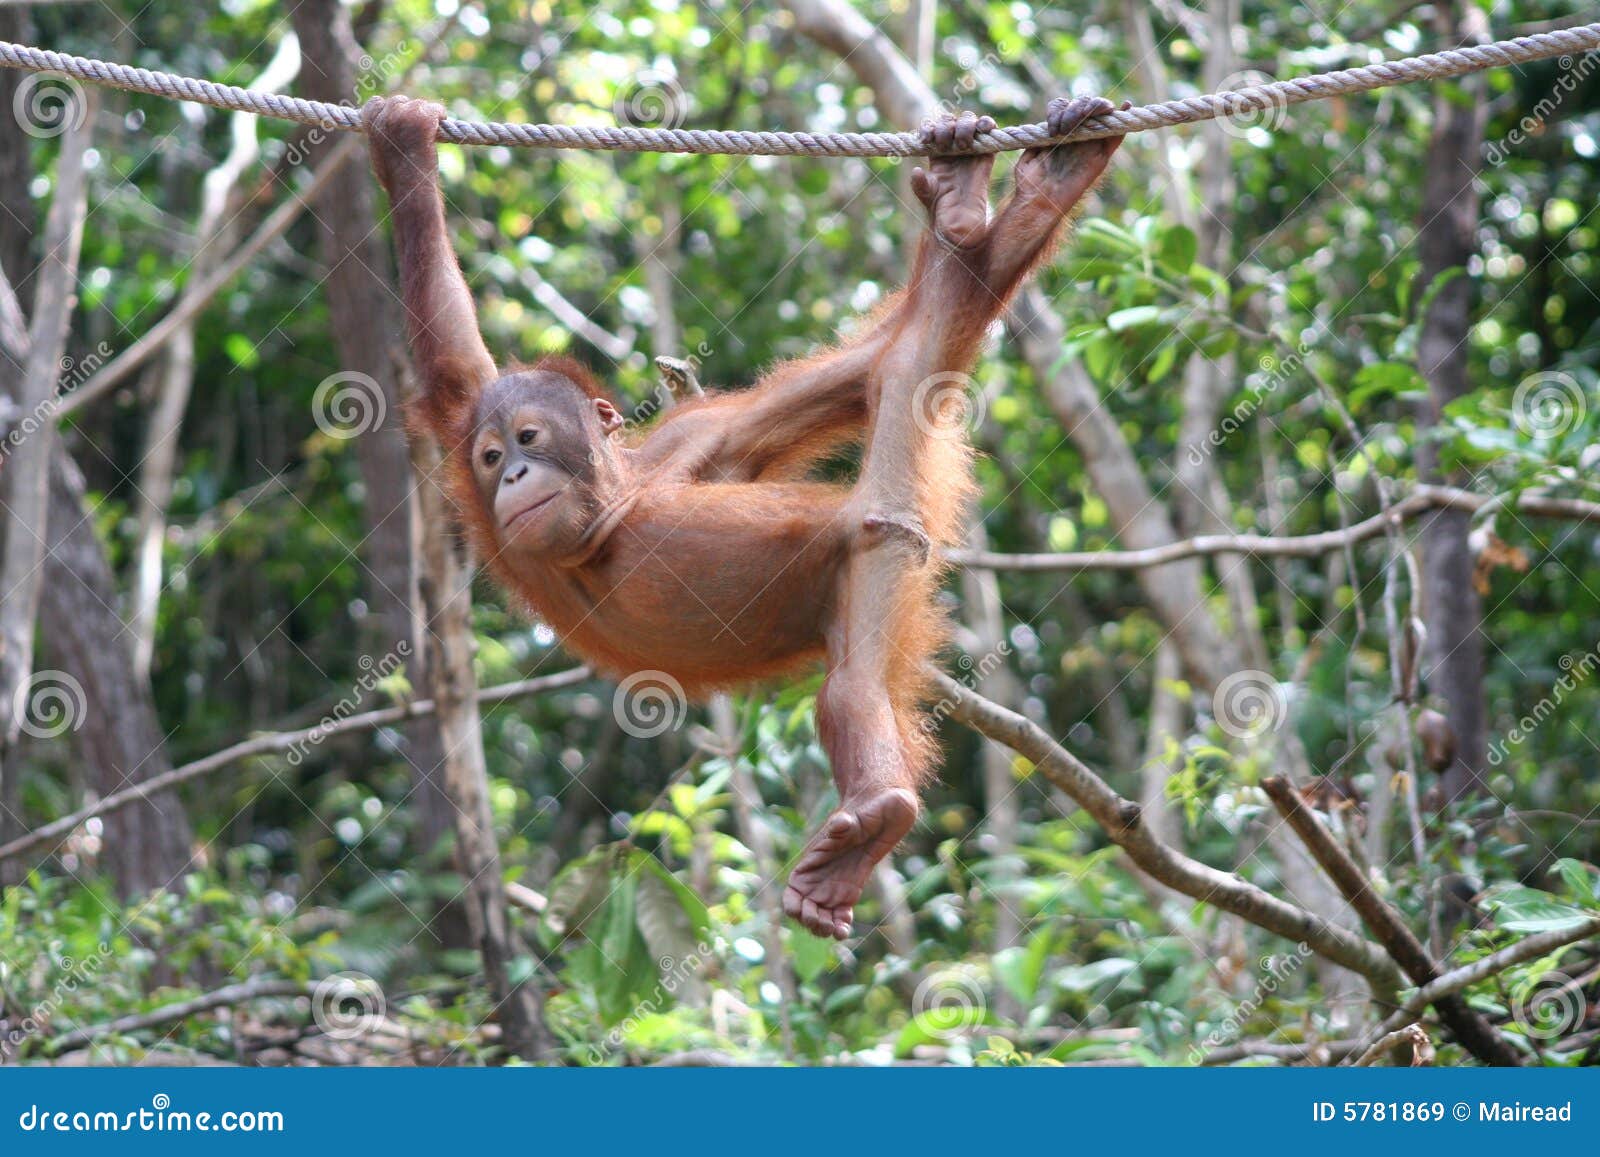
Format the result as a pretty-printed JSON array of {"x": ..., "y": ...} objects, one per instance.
[
  {"x": 159, "y": 459},
  {"x": 276, "y": 224},
  {"x": 13, "y": 323},
  {"x": 1422, "y": 499},
  {"x": 1476, "y": 1035},
  {"x": 1495, "y": 963},
  {"x": 191, "y": 304},
  {"x": 526, "y": 898},
  {"x": 258, "y": 989},
  {"x": 1309, "y": 1052},
  {"x": 1121, "y": 819},
  {"x": 1411, "y": 1034},
  {"x": 616, "y": 346},
  {"x": 273, "y": 742}
]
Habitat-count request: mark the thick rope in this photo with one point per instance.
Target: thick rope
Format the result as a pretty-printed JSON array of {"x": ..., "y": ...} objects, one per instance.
[{"x": 1255, "y": 98}]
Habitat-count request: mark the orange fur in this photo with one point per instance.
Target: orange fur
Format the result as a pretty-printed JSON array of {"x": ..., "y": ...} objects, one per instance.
[{"x": 700, "y": 549}]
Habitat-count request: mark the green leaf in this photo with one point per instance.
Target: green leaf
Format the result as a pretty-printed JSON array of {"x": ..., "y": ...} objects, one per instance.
[
  {"x": 1084, "y": 978},
  {"x": 1219, "y": 342},
  {"x": 241, "y": 351},
  {"x": 1179, "y": 248},
  {"x": 939, "y": 1025},
  {"x": 1019, "y": 969},
  {"x": 578, "y": 893},
  {"x": 1208, "y": 283},
  {"x": 673, "y": 922},
  {"x": 621, "y": 921},
  {"x": 1498, "y": 441},
  {"x": 1245, "y": 292},
  {"x": 811, "y": 954},
  {"x": 1098, "y": 357},
  {"x": 1161, "y": 365},
  {"x": 1381, "y": 380},
  {"x": 1091, "y": 268},
  {"x": 1125, "y": 319},
  {"x": 628, "y": 973},
  {"x": 844, "y": 999},
  {"x": 1519, "y": 909},
  {"x": 1582, "y": 882},
  {"x": 1099, "y": 233}
]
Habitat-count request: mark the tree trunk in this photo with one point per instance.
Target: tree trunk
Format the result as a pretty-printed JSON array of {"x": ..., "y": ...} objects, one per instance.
[
  {"x": 410, "y": 519},
  {"x": 446, "y": 599},
  {"x": 993, "y": 678},
  {"x": 32, "y": 441},
  {"x": 147, "y": 845},
  {"x": 1452, "y": 610},
  {"x": 366, "y": 318},
  {"x": 215, "y": 229},
  {"x": 16, "y": 235}
]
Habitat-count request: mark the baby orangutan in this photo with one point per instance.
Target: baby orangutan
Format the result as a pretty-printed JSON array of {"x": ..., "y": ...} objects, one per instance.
[{"x": 703, "y": 549}]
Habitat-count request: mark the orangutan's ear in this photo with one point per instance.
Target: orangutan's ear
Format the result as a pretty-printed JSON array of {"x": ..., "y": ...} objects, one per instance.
[{"x": 610, "y": 418}]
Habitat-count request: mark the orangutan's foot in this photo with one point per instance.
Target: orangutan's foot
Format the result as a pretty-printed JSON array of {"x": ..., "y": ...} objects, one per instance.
[
  {"x": 956, "y": 188},
  {"x": 834, "y": 868}
]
